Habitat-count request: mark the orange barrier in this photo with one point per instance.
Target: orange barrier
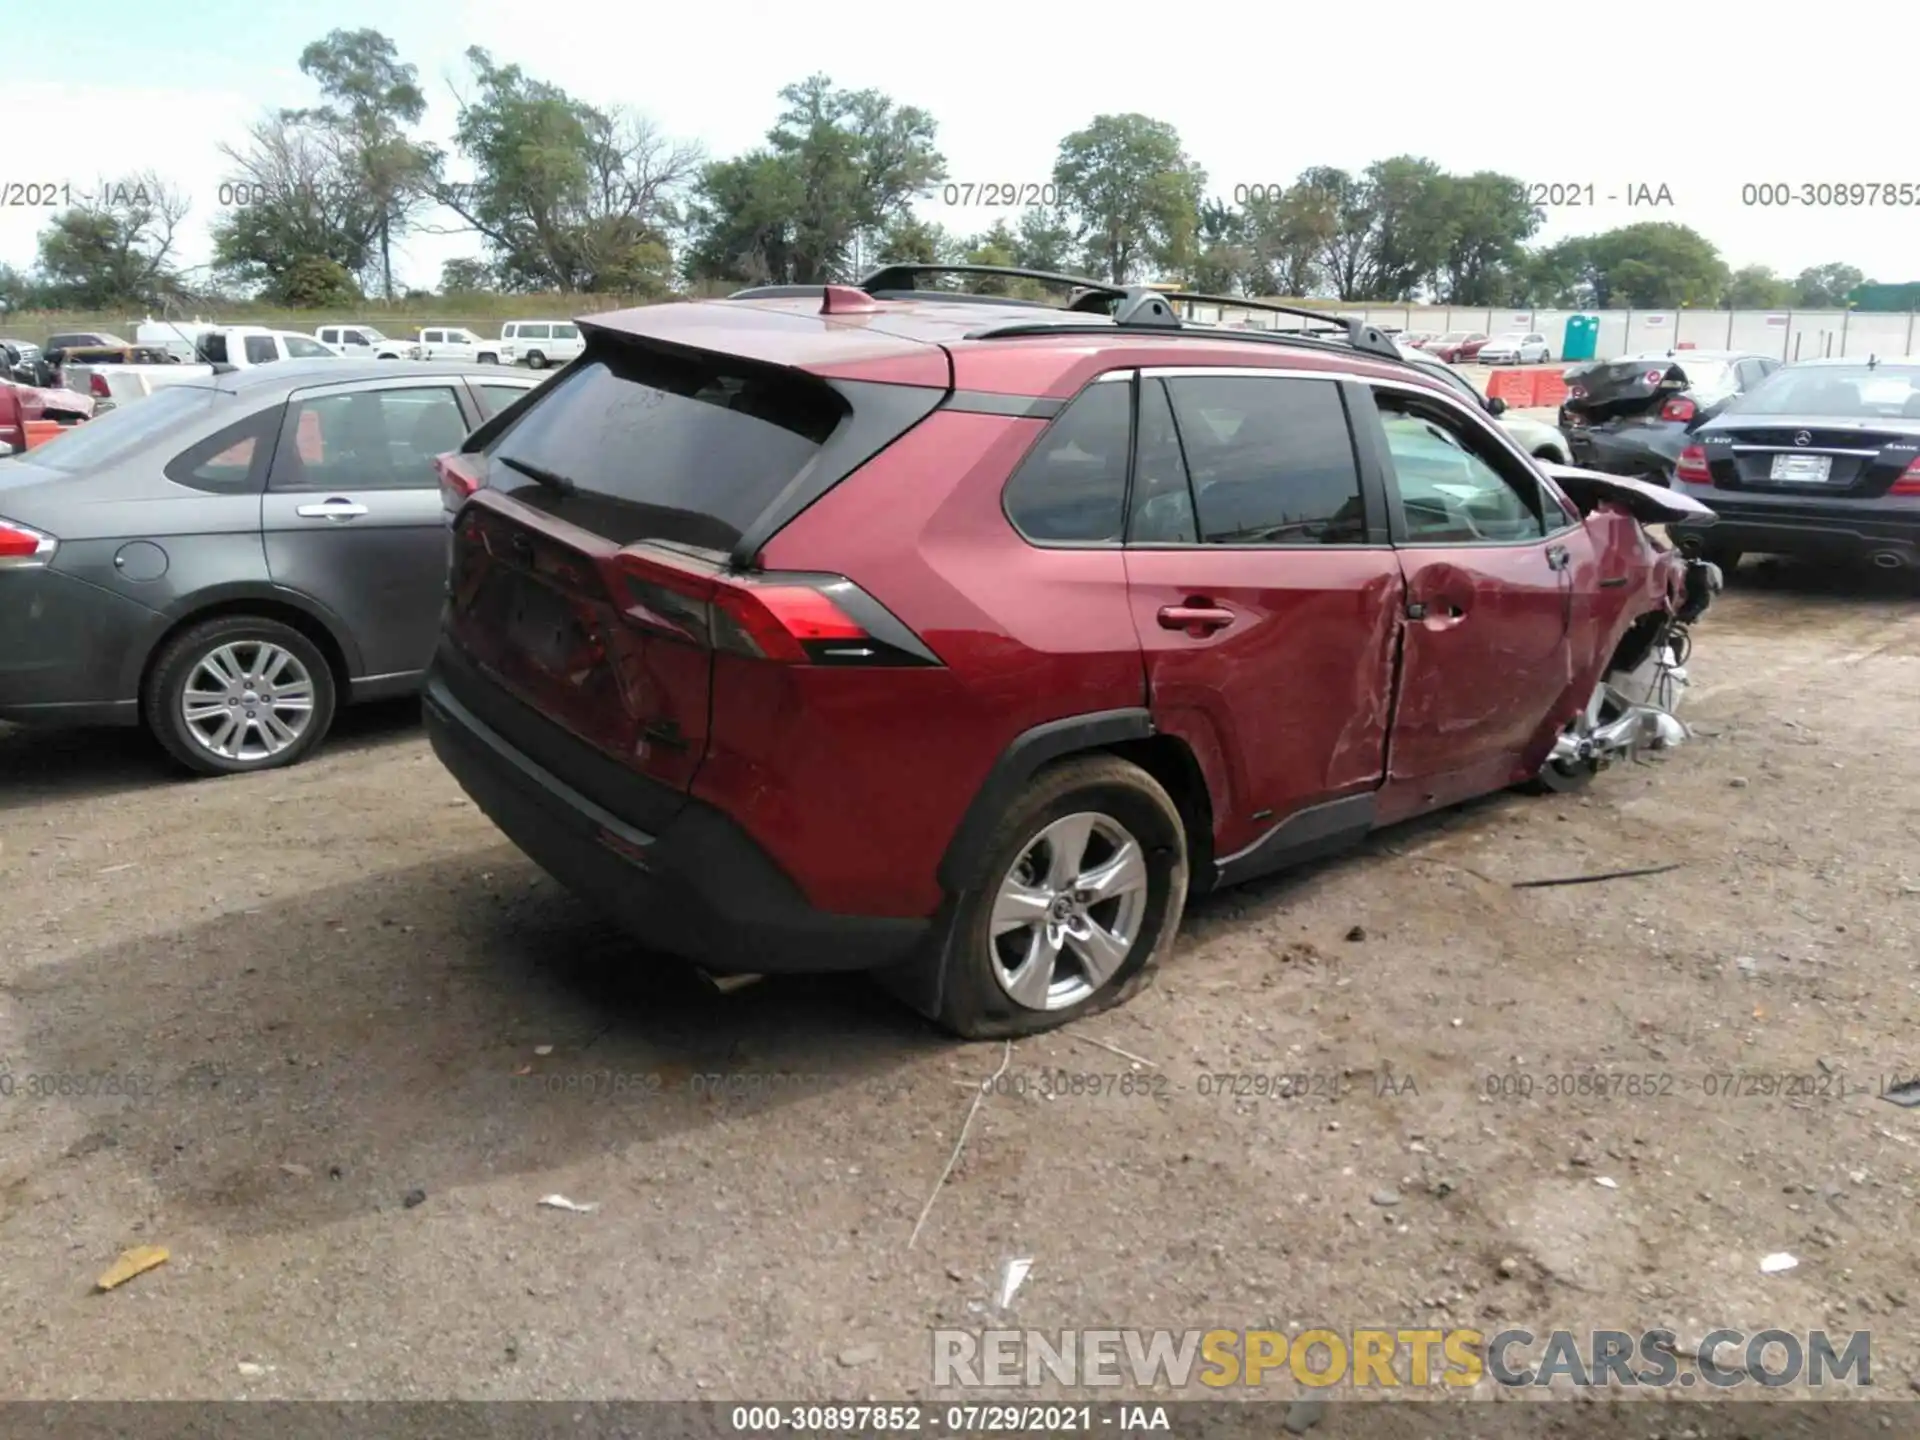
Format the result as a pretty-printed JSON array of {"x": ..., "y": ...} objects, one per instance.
[
  {"x": 1548, "y": 387},
  {"x": 1513, "y": 386},
  {"x": 39, "y": 432}
]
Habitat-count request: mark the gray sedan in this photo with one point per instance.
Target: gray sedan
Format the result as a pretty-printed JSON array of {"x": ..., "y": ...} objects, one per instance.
[{"x": 226, "y": 562}]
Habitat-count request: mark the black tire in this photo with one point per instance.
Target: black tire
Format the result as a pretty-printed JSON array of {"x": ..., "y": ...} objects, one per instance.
[
  {"x": 973, "y": 1003},
  {"x": 536, "y": 360},
  {"x": 1554, "y": 779},
  {"x": 160, "y": 705}
]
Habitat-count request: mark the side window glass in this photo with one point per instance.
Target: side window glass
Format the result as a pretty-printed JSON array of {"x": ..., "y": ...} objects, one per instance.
[
  {"x": 1162, "y": 499},
  {"x": 1271, "y": 460},
  {"x": 499, "y": 397},
  {"x": 260, "y": 350},
  {"x": 369, "y": 440},
  {"x": 227, "y": 463},
  {"x": 534, "y": 332},
  {"x": 1450, "y": 489},
  {"x": 1072, "y": 486}
]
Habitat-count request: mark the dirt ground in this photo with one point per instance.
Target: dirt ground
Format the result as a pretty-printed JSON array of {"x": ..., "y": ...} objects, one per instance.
[{"x": 324, "y": 985}]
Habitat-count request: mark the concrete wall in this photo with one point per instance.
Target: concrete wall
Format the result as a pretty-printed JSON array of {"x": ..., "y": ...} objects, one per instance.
[{"x": 1788, "y": 334}]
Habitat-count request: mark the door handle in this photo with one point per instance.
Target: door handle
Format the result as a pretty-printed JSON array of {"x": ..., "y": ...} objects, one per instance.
[
  {"x": 1195, "y": 618},
  {"x": 1557, "y": 557},
  {"x": 332, "y": 509}
]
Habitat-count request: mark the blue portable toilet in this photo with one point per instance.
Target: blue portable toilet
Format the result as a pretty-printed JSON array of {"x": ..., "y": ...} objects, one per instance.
[{"x": 1582, "y": 337}]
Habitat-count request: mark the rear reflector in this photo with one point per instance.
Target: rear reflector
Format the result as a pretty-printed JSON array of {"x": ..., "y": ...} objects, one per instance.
[
  {"x": 458, "y": 479},
  {"x": 1678, "y": 408},
  {"x": 1909, "y": 481},
  {"x": 1692, "y": 466}
]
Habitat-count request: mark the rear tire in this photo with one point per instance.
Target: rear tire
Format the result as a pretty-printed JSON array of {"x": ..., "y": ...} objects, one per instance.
[
  {"x": 267, "y": 735},
  {"x": 1127, "y": 829},
  {"x": 536, "y": 361}
]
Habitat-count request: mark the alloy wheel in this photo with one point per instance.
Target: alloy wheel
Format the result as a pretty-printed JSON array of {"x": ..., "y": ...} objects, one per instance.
[
  {"x": 247, "y": 700},
  {"x": 1068, "y": 912}
]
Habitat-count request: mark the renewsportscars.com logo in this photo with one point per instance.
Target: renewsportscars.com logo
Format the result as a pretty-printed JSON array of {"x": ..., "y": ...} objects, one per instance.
[{"x": 1383, "y": 1359}]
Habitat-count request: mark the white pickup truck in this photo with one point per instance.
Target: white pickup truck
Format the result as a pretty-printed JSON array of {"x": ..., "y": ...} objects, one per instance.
[
  {"x": 363, "y": 342},
  {"x": 450, "y": 342},
  {"x": 239, "y": 346}
]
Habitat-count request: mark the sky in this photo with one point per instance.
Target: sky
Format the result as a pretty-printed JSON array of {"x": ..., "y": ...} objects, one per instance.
[{"x": 1257, "y": 91}]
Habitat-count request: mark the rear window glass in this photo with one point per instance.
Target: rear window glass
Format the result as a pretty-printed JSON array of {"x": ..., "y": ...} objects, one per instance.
[
  {"x": 566, "y": 332},
  {"x": 1855, "y": 392},
  {"x": 692, "y": 449},
  {"x": 121, "y": 431}
]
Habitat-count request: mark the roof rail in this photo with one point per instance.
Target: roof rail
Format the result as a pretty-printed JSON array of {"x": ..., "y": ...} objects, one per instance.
[
  {"x": 1099, "y": 292},
  {"x": 1362, "y": 336}
]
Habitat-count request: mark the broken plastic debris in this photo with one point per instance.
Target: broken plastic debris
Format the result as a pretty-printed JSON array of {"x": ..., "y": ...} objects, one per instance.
[
  {"x": 1606, "y": 1181},
  {"x": 1013, "y": 1274},
  {"x": 561, "y": 1202},
  {"x": 250, "y": 1370},
  {"x": 136, "y": 1261},
  {"x": 1773, "y": 1264},
  {"x": 1906, "y": 1094},
  {"x": 543, "y": 1049}
]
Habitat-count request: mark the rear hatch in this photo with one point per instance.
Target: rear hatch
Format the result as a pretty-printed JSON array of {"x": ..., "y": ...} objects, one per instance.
[
  {"x": 1641, "y": 389},
  {"x": 606, "y": 552}
]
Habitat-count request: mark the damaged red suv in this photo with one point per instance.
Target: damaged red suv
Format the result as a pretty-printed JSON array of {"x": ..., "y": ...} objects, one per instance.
[{"x": 963, "y": 639}]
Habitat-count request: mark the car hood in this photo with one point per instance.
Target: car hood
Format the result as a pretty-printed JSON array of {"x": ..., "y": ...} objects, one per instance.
[{"x": 1649, "y": 504}]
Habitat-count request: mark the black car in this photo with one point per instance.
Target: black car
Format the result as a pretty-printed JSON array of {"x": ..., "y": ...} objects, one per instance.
[
  {"x": 1633, "y": 416},
  {"x": 1822, "y": 460}
]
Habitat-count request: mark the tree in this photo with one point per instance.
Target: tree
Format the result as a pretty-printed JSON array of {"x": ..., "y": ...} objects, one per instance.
[
  {"x": 1486, "y": 224},
  {"x": 298, "y": 193},
  {"x": 1134, "y": 194},
  {"x": 910, "y": 240},
  {"x": 567, "y": 196},
  {"x": 313, "y": 282},
  {"x": 1224, "y": 263},
  {"x": 1756, "y": 287},
  {"x": 1826, "y": 287},
  {"x": 1287, "y": 236},
  {"x": 1559, "y": 277},
  {"x": 1409, "y": 227},
  {"x": 466, "y": 276},
  {"x": 116, "y": 248},
  {"x": 1656, "y": 266},
  {"x": 1043, "y": 240},
  {"x": 840, "y": 170},
  {"x": 369, "y": 98},
  {"x": 1338, "y": 212}
]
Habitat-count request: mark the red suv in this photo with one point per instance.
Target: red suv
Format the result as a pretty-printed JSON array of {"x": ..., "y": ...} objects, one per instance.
[{"x": 963, "y": 639}]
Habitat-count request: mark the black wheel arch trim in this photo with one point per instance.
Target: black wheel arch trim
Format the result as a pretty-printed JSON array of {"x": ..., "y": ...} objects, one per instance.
[
  {"x": 1023, "y": 758},
  {"x": 189, "y": 608}
]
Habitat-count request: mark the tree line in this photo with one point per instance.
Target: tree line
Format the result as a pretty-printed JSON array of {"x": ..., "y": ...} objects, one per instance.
[{"x": 571, "y": 197}]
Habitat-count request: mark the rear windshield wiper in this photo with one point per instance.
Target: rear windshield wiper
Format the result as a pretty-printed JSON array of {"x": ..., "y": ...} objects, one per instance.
[{"x": 552, "y": 479}]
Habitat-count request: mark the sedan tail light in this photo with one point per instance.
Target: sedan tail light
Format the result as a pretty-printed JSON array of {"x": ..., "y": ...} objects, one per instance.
[
  {"x": 22, "y": 547},
  {"x": 458, "y": 479},
  {"x": 1679, "y": 408},
  {"x": 1909, "y": 481},
  {"x": 97, "y": 386},
  {"x": 1692, "y": 466}
]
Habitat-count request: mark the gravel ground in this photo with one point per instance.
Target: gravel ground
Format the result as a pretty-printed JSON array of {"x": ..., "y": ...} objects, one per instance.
[{"x": 336, "y": 985}]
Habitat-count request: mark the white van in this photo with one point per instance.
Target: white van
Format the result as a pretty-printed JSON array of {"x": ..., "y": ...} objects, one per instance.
[
  {"x": 179, "y": 338},
  {"x": 543, "y": 342},
  {"x": 363, "y": 342}
]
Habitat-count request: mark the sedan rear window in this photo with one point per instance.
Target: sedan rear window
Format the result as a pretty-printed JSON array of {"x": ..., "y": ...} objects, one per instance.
[
  {"x": 1854, "y": 392},
  {"x": 120, "y": 432},
  {"x": 694, "y": 449}
]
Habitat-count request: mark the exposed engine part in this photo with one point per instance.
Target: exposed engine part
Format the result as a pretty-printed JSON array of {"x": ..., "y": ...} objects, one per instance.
[{"x": 1617, "y": 726}]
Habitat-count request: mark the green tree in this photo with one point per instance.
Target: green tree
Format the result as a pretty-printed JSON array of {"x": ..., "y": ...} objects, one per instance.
[
  {"x": 466, "y": 276},
  {"x": 368, "y": 100},
  {"x": 1224, "y": 262},
  {"x": 1486, "y": 224},
  {"x": 1287, "y": 237},
  {"x": 313, "y": 282},
  {"x": 907, "y": 239},
  {"x": 298, "y": 194},
  {"x": 566, "y": 196},
  {"x": 1134, "y": 194},
  {"x": 1826, "y": 287},
  {"x": 1558, "y": 277},
  {"x": 1043, "y": 240},
  {"x": 1756, "y": 287},
  {"x": 115, "y": 249},
  {"x": 839, "y": 172},
  {"x": 1407, "y": 236},
  {"x": 1655, "y": 266}
]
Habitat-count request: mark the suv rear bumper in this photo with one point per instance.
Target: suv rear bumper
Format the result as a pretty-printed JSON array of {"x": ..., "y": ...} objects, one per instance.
[{"x": 701, "y": 889}]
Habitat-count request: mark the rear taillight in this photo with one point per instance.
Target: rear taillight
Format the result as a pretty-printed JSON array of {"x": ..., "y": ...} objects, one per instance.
[
  {"x": 1692, "y": 466},
  {"x": 1679, "y": 408},
  {"x": 790, "y": 619},
  {"x": 458, "y": 479},
  {"x": 1909, "y": 481},
  {"x": 97, "y": 387},
  {"x": 22, "y": 547}
]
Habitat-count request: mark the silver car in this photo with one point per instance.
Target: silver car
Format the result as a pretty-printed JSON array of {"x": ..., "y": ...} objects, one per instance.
[{"x": 226, "y": 562}]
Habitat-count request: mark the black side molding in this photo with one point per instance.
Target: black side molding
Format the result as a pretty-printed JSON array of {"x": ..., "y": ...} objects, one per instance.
[
  {"x": 1018, "y": 764},
  {"x": 1306, "y": 834},
  {"x": 1021, "y": 407}
]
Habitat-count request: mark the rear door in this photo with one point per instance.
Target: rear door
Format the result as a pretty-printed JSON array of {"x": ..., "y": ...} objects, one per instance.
[
  {"x": 352, "y": 514},
  {"x": 1265, "y": 596},
  {"x": 1491, "y": 560}
]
